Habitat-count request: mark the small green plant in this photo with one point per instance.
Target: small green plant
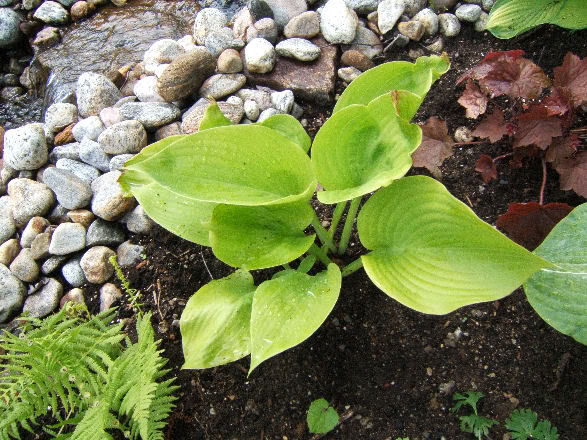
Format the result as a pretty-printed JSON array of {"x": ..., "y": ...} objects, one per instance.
[
  {"x": 246, "y": 191},
  {"x": 523, "y": 425},
  {"x": 509, "y": 18},
  {"x": 133, "y": 294},
  {"x": 473, "y": 423},
  {"x": 321, "y": 418},
  {"x": 75, "y": 372}
]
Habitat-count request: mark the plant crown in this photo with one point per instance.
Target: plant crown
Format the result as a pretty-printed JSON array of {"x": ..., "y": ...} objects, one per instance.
[{"x": 246, "y": 191}]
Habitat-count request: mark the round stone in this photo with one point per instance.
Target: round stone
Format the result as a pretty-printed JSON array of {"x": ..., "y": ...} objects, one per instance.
[
  {"x": 10, "y": 33},
  {"x": 94, "y": 93},
  {"x": 123, "y": 137},
  {"x": 260, "y": 56},
  {"x": 25, "y": 148},
  {"x": 12, "y": 292},
  {"x": 24, "y": 267},
  {"x": 67, "y": 238},
  {"x": 97, "y": 269},
  {"x": 338, "y": 23},
  {"x": 46, "y": 300}
]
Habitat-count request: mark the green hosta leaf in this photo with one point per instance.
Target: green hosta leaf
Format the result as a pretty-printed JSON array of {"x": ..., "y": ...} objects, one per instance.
[
  {"x": 431, "y": 253},
  {"x": 215, "y": 324},
  {"x": 288, "y": 309},
  {"x": 559, "y": 294},
  {"x": 177, "y": 213},
  {"x": 289, "y": 127},
  {"x": 213, "y": 117},
  {"x": 397, "y": 75},
  {"x": 321, "y": 418},
  {"x": 257, "y": 237},
  {"x": 362, "y": 148},
  {"x": 509, "y": 18},
  {"x": 237, "y": 164}
]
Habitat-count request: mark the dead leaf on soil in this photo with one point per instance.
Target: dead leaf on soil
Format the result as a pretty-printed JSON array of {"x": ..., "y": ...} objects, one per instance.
[
  {"x": 436, "y": 146},
  {"x": 486, "y": 167},
  {"x": 528, "y": 224}
]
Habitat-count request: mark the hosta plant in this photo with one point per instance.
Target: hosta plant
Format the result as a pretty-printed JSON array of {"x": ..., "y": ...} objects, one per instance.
[{"x": 247, "y": 191}]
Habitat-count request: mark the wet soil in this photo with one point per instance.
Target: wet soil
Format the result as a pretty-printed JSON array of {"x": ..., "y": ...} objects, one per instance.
[{"x": 379, "y": 363}]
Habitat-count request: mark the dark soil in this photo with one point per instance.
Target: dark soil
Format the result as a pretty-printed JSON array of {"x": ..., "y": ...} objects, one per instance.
[{"x": 378, "y": 362}]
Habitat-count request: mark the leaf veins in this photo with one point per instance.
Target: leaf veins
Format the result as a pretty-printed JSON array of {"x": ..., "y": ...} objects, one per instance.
[
  {"x": 572, "y": 75},
  {"x": 493, "y": 127},
  {"x": 474, "y": 100}
]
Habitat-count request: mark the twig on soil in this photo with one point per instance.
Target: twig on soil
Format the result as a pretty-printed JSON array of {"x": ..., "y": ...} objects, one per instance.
[
  {"x": 343, "y": 418},
  {"x": 560, "y": 369},
  {"x": 205, "y": 265},
  {"x": 541, "y": 200},
  {"x": 469, "y": 200},
  {"x": 156, "y": 298}
]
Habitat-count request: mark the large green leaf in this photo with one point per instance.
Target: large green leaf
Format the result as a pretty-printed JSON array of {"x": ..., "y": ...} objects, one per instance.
[
  {"x": 288, "y": 309},
  {"x": 177, "y": 213},
  {"x": 509, "y": 18},
  {"x": 397, "y": 75},
  {"x": 431, "y": 253},
  {"x": 215, "y": 324},
  {"x": 289, "y": 127},
  {"x": 257, "y": 237},
  {"x": 238, "y": 164},
  {"x": 559, "y": 295},
  {"x": 362, "y": 148},
  {"x": 213, "y": 117}
]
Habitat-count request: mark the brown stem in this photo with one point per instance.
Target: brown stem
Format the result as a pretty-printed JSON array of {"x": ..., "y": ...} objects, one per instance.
[
  {"x": 541, "y": 200},
  {"x": 503, "y": 156},
  {"x": 470, "y": 143}
]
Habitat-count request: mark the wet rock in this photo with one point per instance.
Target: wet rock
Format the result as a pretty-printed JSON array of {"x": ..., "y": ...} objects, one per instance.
[
  {"x": 412, "y": 29},
  {"x": 208, "y": 19},
  {"x": 109, "y": 293},
  {"x": 285, "y": 10},
  {"x": 75, "y": 296},
  {"x": 193, "y": 118},
  {"x": 12, "y": 292},
  {"x": 51, "y": 13},
  {"x": 338, "y": 23},
  {"x": 47, "y": 37},
  {"x": 299, "y": 49},
  {"x": 265, "y": 28},
  {"x": 43, "y": 302},
  {"x": 73, "y": 272},
  {"x": 367, "y": 42},
  {"x": 219, "y": 40},
  {"x": 94, "y": 93},
  {"x": 146, "y": 89},
  {"x": 25, "y": 148},
  {"x": 230, "y": 61},
  {"x": 85, "y": 172},
  {"x": 67, "y": 238},
  {"x": 60, "y": 115},
  {"x": 260, "y": 56},
  {"x": 71, "y": 191},
  {"x": 8, "y": 251},
  {"x": 355, "y": 58},
  {"x": 34, "y": 227},
  {"x": 66, "y": 151},
  {"x": 304, "y": 25},
  {"x": 161, "y": 52},
  {"x": 388, "y": 13},
  {"x": 81, "y": 216},
  {"x": 348, "y": 74},
  {"x": 92, "y": 153},
  {"x": 118, "y": 161},
  {"x": 468, "y": 13},
  {"x": 109, "y": 202},
  {"x": 40, "y": 246},
  {"x": 10, "y": 33},
  {"x": 104, "y": 233},
  {"x": 449, "y": 24},
  {"x": 310, "y": 81},
  {"x": 24, "y": 267},
  {"x": 186, "y": 74},
  {"x": 29, "y": 199},
  {"x": 430, "y": 21},
  {"x": 129, "y": 254},
  {"x": 123, "y": 137},
  {"x": 220, "y": 85},
  {"x": 97, "y": 269},
  {"x": 52, "y": 263}
]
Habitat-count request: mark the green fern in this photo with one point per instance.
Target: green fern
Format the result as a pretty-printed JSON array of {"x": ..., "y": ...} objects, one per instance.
[{"x": 77, "y": 371}]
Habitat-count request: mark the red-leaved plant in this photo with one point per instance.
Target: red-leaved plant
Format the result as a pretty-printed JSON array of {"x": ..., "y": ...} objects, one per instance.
[{"x": 541, "y": 125}]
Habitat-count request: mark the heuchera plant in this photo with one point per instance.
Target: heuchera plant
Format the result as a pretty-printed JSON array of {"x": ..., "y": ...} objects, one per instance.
[{"x": 246, "y": 191}]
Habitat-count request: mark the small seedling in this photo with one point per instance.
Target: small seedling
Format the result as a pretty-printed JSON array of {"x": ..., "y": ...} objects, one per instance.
[
  {"x": 322, "y": 418},
  {"x": 133, "y": 294},
  {"x": 522, "y": 426},
  {"x": 474, "y": 423}
]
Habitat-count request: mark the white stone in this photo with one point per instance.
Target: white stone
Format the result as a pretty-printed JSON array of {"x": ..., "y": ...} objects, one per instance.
[
  {"x": 109, "y": 203},
  {"x": 29, "y": 199},
  {"x": 260, "y": 56},
  {"x": 449, "y": 24},
  {"x": 94, "y": 93},
  {"x": 429, "y": 20},
  {"x": 84, "y": 171},
  {"x": 90, "y": 127},
  {"x": 338, "y": 23},
  {"x": 71, "y": 191},
  {"x": 282, "y": 101},
  {"x": 299, "y": 49},
  {"x": 123, "y": 137},
  {"x": 388, "y": 13},
  {"x": 59, "y": 116},
  {"x": 25, "y": 148},
  {"x": 208, "y": 19},
  {"x": 161, "y": 51},
  {"x": 146, "y": 89},
  {"x": 251, "y": 109}
]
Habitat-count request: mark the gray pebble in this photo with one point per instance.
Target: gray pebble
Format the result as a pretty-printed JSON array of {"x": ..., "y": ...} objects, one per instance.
[
  {"x": 8, "y": 251},
  {"x": 129, "y": 254},
  {"x": 84, "y": 171},
  {"x": 151, "y": 115},
  {"x": 46, "y": 300},
  {"x": 95, "y": 264},
  {"x": 138, "y": 221},
  {"x": 73, "y": 272},
  {"x": 123, "y": 137},
  {"x": 34, "y": 227},
  {"x": 12, "y": 292},
  {"x": 67, "y": 238},
  {"x": 75, "y": 295},
  {"x": 101, "y": 232},
  {"x": 109, "y": 293},
  {"x": 118, "y": 161},
  {"x": 267, "y": 114},
  {"x": 51, "y": 13},
  {"x": 299, "y": 49},
  {"x": 260, "y": 56},
  {"x": 468, "y": 13},
  {"x": 161, "y": 52},
  {"x": 10, "y": 35},
  {"x": 92, "y": 153},
  {"x": 304, "y": 25},
  {"x": 29, "y": 199},
  {"x": 219, "y": 40},
  {"x": 251, "y": 109},
  {"x": 66, "y": 151},
  {"x": 265, "y": 28},
  {"x": 388, "y": 13},
  {"x": 7, "y": 228},
  {"x": 282, "y": 101},
  {"x": 40, "y": 246},
  {"x": 90, "y": 127},
  {"x": 449, "y": 24},
  {"x": 59, "y": 115},
  {"x": 52, "y": 263},
  {"x": 24, "y": 267},
  {"x": 94, "y": 93},
  {"x": 108, "y": 202},
  {"x": 208, "y": 19},
  {"x": 222, "y": 84},
  {"x": 146, "y": 89},
  {"x": 338, "y": 23},
  {"x": 348, "y": 74},
  {"x": 71, "y": 191}
]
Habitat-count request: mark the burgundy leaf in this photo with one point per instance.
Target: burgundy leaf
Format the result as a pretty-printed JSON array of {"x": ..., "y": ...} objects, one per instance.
[
  {"x": 493, "y": 127},
  {"x": 486, "y": 167},
  {"x": 474, "y": 100},
  {"x": 436, "y": 146},
  {"x": 519, "y": 78},
  {"x": 535, "y": 127},
  {"x": 486, "y": 64},
  {"x": 528, "y": 224},
  {"x": 572, "y": 75},
  {"x": 562, "y": 148},
  {"x": 573, "y": 173}
]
